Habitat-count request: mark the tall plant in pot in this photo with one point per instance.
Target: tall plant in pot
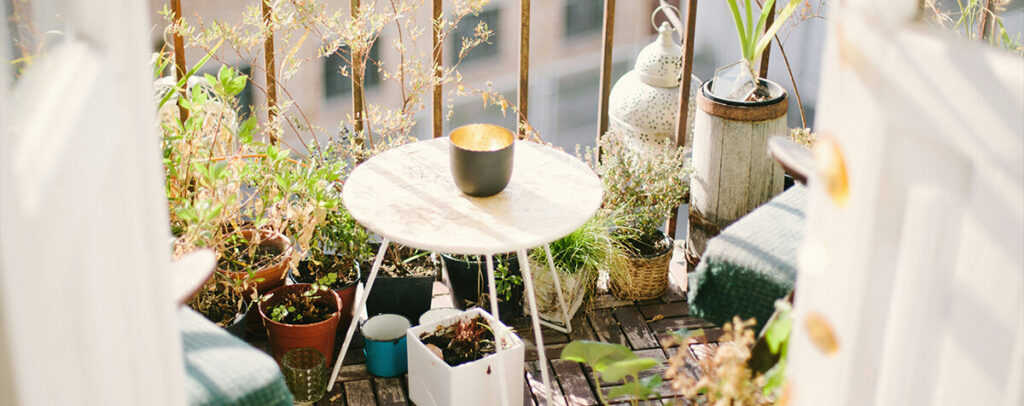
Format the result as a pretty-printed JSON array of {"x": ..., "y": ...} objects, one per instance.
[
  {"x": 640, "y": 192},
  {"x": 578, "y": 258},
  {"x": 737, "y": 112}
]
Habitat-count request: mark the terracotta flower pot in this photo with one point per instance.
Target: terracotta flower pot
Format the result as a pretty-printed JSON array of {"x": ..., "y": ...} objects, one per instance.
[
  {"x": 347, "y": 292},
  {"x": 272, "y": 275},
  {"x": 283, "y": 337}
]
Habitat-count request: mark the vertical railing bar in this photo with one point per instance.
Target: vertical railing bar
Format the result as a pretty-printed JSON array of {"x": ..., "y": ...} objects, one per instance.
[
  {"x": 684, "y": 93},
  {"x": 763, "y": 71},
  {"x": 524, "y": 66},
  {"x": 179, "y": 58},
  {"x": 985, "y": 28},
  {"x": 436, "y": 100},
  {"x": 357, "y": 79},
  {"x": 607, "y": 37},
  {"x": 268, "y": 59}
]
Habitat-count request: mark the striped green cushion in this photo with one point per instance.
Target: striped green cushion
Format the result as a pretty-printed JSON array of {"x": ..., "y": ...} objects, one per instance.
[
  {"x": 223, "y": 370},
  {"x": 751, "y": 263}
]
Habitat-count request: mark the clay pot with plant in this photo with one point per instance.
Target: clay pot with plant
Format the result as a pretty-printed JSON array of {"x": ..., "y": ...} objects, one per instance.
[
  {"x": 467, "y": 275},
  {"x": 640, "y": 192},
  {"x": 301, "y": 315},
  {"x": 332, "y": 259},
  {"x": 226, "y": 302},
  {"x": 404, "y": 284}
]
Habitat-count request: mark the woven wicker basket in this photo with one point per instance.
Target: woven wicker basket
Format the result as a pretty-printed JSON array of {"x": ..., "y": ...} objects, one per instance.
[{"x": 646, "y": 278}]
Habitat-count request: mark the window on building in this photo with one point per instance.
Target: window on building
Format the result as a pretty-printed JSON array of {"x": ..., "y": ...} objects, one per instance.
[
  {"x": 583, "y": 17},
  {"x": 245, "y": 100},
  {"x": 467, "y": 28},
  {"x": 336, "y": 84}
]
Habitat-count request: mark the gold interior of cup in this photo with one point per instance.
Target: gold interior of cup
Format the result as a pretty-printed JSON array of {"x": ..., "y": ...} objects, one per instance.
[{"x": 481, "y": 137}]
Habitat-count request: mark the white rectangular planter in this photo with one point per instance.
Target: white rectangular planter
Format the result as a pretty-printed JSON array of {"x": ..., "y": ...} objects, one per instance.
[{"x": 432, "y": 382}]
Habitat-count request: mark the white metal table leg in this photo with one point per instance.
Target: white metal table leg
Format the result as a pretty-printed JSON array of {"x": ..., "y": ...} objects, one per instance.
[
  {"x": 524, "y": 266},
  {"x": 558, "y": 291},
  {"x": 499, "y": 334},
  {"x": 359, "y": 309}
]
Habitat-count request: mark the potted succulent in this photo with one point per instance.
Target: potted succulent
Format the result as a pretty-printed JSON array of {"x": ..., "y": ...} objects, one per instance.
[
  {"x": 733, "y": 173},
  {"x": 226, "y": 302},
  {"x": 454, "y": 361},
  {"x": 405, "y": 282},
  {"x": 301, "y": 315},
  {"x": 578, "y": 258},
  {"x": 467, "y": 275},
  {"x": 640, "y": 191}
]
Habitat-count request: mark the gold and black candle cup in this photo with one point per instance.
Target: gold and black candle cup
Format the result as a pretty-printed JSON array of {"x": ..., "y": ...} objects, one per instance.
[{"x": 481, "y": 158}]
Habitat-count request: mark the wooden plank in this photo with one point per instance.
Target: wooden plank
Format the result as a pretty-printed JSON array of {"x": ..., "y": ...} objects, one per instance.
[
  {"x": 734, "y": 184},
  {"x": 665, "y": 310},
  {"x": 553, "y": 351},
  {"x": 390, "y": 391},
  {"x": 635, "y": 327},
  {"x": 690, "y": 365},
  {"x": 581, "y": 329},
  {"x": 607, "y": 300},
  {"x": 533, "y": 381},
  {"x": 676, "y": 323},
  {"x": 359, "y": 393},
  {"x": 663, "y": 390},
  {"x": 574, "y": 383},
  {"x": 703, "y": 351},
  {"x": 336, "y": 397},
  {"x": 353, "y": 373},
  {"x": 606, "y": 328}
]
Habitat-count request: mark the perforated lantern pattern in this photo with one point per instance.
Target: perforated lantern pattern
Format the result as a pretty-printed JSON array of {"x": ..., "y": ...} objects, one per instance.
[{"x": 643, "y": 103}]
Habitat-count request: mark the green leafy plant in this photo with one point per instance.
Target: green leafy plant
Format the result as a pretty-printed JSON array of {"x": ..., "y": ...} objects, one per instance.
[
  {"x": 640, "y": 191},
  {"x": 303, "y": 308},
  {"x": 612, "y": 363},
  {"x": 222, "y": 299},
  {"x": 461, "y": 342},
  {"x": 505, "y": 281},
  {"x": 966, "y": 17},
  {"x": 753, "y": 37}
]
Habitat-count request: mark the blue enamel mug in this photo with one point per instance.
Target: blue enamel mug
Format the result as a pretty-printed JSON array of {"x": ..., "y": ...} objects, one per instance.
[{"x": 384, "y": 345}]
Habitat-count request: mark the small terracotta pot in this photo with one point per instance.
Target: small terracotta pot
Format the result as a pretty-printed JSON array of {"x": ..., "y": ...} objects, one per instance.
[
  {"x": 273, "y": 275},
  {"x": 481, "y": 158},
  {"x": 283, "y": 337}
]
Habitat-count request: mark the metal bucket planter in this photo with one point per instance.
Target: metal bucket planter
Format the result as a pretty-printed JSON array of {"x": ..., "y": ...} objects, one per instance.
[
  {"x": 385, "y": 345},
  {"x": 733, "y": 173},
  {"x": 491, "y": 380}
]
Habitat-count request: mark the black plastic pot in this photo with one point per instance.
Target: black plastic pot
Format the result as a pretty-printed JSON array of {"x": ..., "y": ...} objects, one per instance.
[
  {"x": 408, "y": 296},
  {"x": 469, "y": 281},
  {"x": 237, "y": 327}
]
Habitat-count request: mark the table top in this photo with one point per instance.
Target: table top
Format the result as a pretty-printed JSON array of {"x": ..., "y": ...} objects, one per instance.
[{"x": 408, "y": 196}]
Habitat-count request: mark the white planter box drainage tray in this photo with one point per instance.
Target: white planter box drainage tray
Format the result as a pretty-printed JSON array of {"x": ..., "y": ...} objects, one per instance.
[{"x": 433, "y": 382}]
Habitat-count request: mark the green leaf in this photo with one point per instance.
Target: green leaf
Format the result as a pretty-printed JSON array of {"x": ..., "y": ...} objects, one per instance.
[
  {"x": 780, "y": 20},
  {"x": 775, "y": 377},
  {"x": 596, "y": 354},
  {"x": 245, "y": 131},
  {"x": 629, "y": 367},
  {"x": 740, "y": 29},
  {"x": 235, "y": 85},
  {"x": 641, "y": 390},
  {"x": 181, "y": 82},
  {"x": 210, "y": 79},
  {"x": 777, "y": 332}
]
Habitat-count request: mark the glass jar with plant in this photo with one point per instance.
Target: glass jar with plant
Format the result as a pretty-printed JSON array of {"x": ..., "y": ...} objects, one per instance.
[
  {"x": 579, "y": 257},
  {"x": 467, "y": 275},
  {"x": 640, "y": 192}
]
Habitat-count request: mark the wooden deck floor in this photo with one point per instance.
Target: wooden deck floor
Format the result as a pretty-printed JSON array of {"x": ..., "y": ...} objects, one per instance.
[{"x": 638, "y": 325}]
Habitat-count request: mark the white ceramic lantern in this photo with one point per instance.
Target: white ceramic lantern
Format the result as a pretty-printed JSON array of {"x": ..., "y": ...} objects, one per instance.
[{"x": 643, "y": 104}]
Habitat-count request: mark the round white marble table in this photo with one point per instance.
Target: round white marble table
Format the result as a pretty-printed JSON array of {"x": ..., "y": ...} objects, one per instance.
[{"x": 407, "y": 195}]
